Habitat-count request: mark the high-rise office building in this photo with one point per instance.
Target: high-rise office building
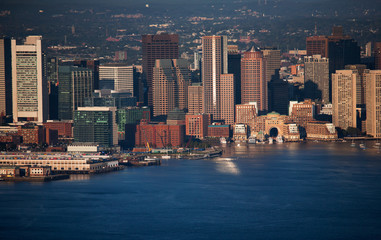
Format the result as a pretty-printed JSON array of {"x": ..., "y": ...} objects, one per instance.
[
  {"x": 29, "y": 87},
  {"x": 96, "y": 125},
  {"x": 272, "y": 57},
  {"x": 339, "y": 48},
  {"x": 93, "y": 65},
  {"x": 5, "y": 78},
  {"x": 373, "y": 102},
  {"x": 234, "y": 67},
  {"x": 195, "y": 99},
  {"x": 377, "y": 55},
  {"x": 214, "y": 63},
  {"x": 51, "y": 69},
  {"x": 344, "y": 97},
  {"x": 253, "y": 78},
  {"x": 171, "y": 79},
  {"x": 75, "y": 85},
  {"x": 227, "y": 98},
  {"x": 278, "y": 93},
  {"x": 317, "y": 45},
  {"x": 122, "y": 76},
  {"x": 360, "y": 85},
  {"x": 316, "y": 78},
  {"x": 161, "y": 46}
]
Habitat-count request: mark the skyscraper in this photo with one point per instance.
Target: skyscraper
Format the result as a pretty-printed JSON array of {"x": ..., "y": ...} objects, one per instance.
[
  {"x": 122, "y": 76},
  {"x": 339, "y": 48},
  {"x": 214, "y": 63},
  {"x": 171, "y": 79},
  {"x": 344, "y": 95},
  {"x": 5, "y": 78},
  {"x": 377, "y": 55},
  {"x": 195, "y": 96},
  {"x": 227, "y": 99},
  {"x": 253, "y": 79},
  {"x": 316, "y": 78},
  {"x": 75, "y": 85},
  {"x": 272, "y": 57},
  {"x": 317, "y": 45},
  {"x": 29, "y": 87},
  {"x": 373, "y": 102},
  {"x": 93, "y": 65},
  {"x": 161, "y": 46},
  {"x": 234, "y": 67}
]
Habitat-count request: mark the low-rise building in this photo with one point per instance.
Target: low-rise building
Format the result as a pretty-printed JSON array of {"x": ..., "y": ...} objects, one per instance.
[
  {"x": 321, "y": 131},
  {"x": 219, "y": 131}
]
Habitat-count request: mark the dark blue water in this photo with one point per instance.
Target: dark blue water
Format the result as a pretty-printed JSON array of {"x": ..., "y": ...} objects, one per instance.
[{"x": 289, "y": 191}]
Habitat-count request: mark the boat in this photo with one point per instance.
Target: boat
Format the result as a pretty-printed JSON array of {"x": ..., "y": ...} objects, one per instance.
[
  {"x": 362, "y": 146},
  {"x": 252, "y": 140},
  {"x": 148, "y": 158},
  {"x": 279, "y": 139},
  {"x": 238, "y": 145},
  {"x": 166, "y": 157},
  {"x": 223, "y": 140},
  {"x": 271, "y": 140},
  {"x": 226, "y": 158},
  {"x": 353, "y": 144}
]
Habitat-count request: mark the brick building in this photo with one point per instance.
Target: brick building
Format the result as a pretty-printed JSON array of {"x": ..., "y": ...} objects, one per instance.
[
  {"x": 197, "y": 125},
  {"x": 64, "y": 128},
  {"x": 159, "y": 135},
  {"x": 219, "y": 131}
]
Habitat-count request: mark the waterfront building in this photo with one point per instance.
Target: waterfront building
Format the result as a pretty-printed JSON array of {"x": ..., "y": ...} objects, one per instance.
[
  {"x": 61, "y": 162},
  {"x": 227, "y": 100},
  {"x": 171, "y": 79},
  {"x": 159, "y": 135},
  {"x": 253, "y": 79},
  {"x": 197, "y": 125},
  {"x": 121, "y": 76},
  {"x": 29, "y": 87},
  {"x": 195, "y": 98},
  {"x": 302, "y": 112},
  {"x": 218, "y": 131},
  {"x": 75, "y": 85},
  {"x": 373, "y": 102},
  {"x": 96, "y": 125},
  {"x": 214, "y": 63},
  {"x": 344, "y": 98},
  {"x": 245, "y": 113},
  {"x": 316, "y": 78},
  {"x": 273, "y": 124},
  {"x": 160, "y": 46},
  {"x": 321, "y": 131},
  {"x": 240, "y": 132},
  {"x": 5, "y": 79}
]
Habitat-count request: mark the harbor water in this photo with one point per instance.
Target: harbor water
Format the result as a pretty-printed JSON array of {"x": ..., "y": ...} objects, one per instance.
[{"x": 279, "y": 191}]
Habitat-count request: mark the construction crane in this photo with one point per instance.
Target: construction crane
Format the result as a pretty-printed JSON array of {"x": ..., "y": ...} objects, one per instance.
[{"x": 147, "y": 143}]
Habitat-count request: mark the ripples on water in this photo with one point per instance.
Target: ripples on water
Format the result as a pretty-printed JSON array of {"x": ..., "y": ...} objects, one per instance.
[{"x": 286, "y": 191}]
